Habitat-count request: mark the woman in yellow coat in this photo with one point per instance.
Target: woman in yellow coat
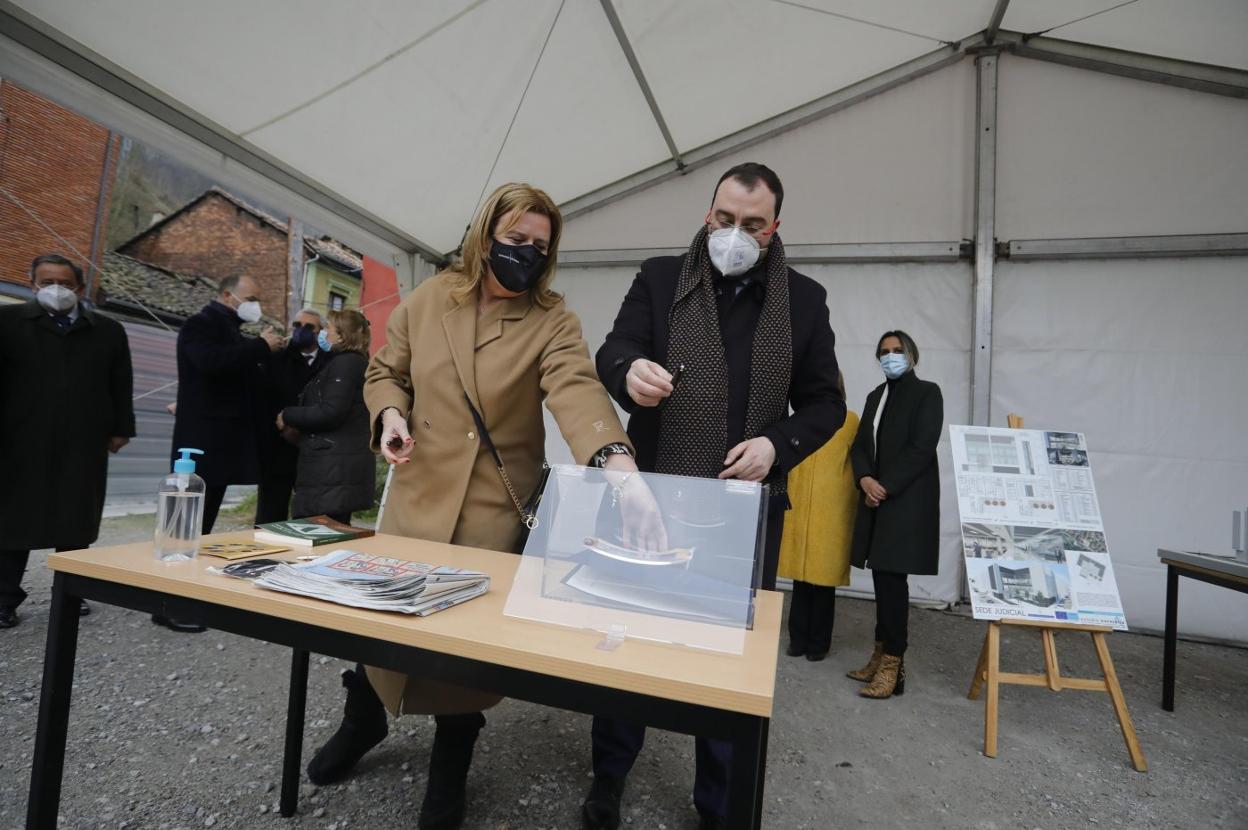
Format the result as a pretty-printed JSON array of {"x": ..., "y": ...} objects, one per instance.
[
  {"x": 487, "y": 334},
  {"x": 818, "y": 531}
]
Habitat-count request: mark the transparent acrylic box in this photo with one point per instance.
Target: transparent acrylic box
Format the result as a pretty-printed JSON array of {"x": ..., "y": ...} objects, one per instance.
[{"x": 657, "y": 557}]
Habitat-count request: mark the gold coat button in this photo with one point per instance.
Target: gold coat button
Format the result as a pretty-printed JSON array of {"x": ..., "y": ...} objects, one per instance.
[{"x": 472, "y": 436}]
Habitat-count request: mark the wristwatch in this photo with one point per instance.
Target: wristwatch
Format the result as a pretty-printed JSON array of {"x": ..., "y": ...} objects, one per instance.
[{"x": 600, "y": 457}]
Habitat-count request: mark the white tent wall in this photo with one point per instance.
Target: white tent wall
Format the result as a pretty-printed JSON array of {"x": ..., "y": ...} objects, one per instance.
[
  {"x": 1140, "y": 355},
  {"x": 1120, "y": 349},
  {"x": 897, "y": 167},
  {"x": 1082, "y": 154}
]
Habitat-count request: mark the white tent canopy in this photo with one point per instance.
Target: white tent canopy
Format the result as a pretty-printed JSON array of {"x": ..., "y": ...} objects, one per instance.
[
  {"x": 406, "y": 109},
  {"x": 1049, "y": 194}
]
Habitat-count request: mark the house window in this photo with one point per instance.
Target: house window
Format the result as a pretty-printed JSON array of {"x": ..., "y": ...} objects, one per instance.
[{"x": 336, "y": 301}]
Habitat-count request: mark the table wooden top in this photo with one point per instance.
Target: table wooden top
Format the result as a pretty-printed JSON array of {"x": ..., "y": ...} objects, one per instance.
[{"x": 476, "y": 629}]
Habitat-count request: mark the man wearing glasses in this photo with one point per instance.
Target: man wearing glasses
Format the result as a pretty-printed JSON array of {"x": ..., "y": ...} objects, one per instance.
[
  {"x": 748, "y": 338},
  {"x": 288, "y": 371}
]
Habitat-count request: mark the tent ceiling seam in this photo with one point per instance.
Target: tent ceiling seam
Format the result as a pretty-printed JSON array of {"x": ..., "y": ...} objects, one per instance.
[
  {"x": 519, "y": 105},
  {"x": 634, "y": 63},
  {"x": 861, "y": 21}
]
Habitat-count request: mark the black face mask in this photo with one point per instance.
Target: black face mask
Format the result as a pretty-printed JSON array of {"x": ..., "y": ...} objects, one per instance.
[{"x": 517, "y": 267}]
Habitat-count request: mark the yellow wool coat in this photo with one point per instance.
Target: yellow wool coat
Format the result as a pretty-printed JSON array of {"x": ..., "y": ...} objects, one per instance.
[
  {"x": 508, "y": 361},
  {"x": 819, "y": 530}
]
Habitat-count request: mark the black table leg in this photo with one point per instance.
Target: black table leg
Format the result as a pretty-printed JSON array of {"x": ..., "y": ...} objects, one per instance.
[
  {"x": 1172, "y": 621},
  {"x": 292, "y": 759},
  {"x": 749, "y": 769},
  {"x": 48, "y": 766}
]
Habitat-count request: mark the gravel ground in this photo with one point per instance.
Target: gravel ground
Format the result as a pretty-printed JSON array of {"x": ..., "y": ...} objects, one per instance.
[{"x": 185, "y": 731}]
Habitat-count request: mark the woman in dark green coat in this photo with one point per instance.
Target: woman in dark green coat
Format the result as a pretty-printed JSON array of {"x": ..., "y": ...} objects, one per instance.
[{"x": 897, "y": 531}]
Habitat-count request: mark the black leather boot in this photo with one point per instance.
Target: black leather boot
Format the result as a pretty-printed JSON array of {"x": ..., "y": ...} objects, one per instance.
[
  {"x": 453, "y": 741},
  {"x": 601, "y": 809},
  {"x": 363, "y": 727}
]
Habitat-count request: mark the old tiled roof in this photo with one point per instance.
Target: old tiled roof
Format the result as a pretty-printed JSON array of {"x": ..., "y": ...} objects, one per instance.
[
  {"x": 132, "y": 283},
  {"x": 327, "y": 249}
]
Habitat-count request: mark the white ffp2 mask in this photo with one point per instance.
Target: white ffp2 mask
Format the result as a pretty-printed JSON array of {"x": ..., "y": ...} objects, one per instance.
[
  {"x": 56, "y": 298},
  {"x": 732, "y": 251},
  {"x": 249, "y": 312}
]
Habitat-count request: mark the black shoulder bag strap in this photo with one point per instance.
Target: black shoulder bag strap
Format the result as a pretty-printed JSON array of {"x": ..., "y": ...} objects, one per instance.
[{"x": 527, "y": 510}]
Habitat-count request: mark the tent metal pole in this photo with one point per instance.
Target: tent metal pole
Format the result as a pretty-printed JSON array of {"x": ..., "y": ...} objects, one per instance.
[
  {"x": 626, "y": 46},
  {"x": 994, "y": 23},
  {"x": 1202, "y": 77},
  {"x": 1118, "y": 247},
  {"x": 772, "y": 127},
  {"x": 825, "y": 254},
  {"x": 31, "y": 34},
  {"x": 985, "y": 233}
]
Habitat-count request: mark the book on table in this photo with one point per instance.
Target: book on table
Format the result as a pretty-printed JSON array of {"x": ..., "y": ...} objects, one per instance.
[
  {"x": 377, "y": 583},
  {"x": 310, "y": 532}
]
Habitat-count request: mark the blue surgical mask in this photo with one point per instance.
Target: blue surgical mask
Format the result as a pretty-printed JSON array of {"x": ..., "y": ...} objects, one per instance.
[
  {"x": 894, "y": 365},
  {"x": 322, "y": 340}
]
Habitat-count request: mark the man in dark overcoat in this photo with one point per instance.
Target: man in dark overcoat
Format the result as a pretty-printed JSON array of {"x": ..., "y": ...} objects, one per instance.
[
  {"x": 286, "y": 374},
  {"x": 757, "y": 394},
  {"x": 221, "y": 376},
  {"x": 65, "y": 403}
]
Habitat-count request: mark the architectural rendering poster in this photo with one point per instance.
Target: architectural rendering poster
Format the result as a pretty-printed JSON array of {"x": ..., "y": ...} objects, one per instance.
[{"x": 1032, "y": 536}]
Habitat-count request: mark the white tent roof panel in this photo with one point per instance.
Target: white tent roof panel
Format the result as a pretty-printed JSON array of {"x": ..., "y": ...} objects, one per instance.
[{"x": 717, "y": 67}]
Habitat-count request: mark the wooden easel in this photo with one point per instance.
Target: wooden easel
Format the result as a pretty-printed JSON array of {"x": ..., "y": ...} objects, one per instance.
[{"x": 988, "y": 672}]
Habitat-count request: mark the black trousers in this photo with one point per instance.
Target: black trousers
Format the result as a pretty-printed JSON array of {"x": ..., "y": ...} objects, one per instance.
[
  {"x": 214, "y": 494},
  {"x": 811, "y": 614},
  {"x": 892, "y": 610},
  {"x": 273, "y": 498},
  {"x": 12, "y": 569},
  {"x": 617, "y": 743}
]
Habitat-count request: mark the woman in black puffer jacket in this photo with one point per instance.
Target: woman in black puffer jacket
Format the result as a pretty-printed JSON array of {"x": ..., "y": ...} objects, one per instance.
[{"x": 335, "y": 476}]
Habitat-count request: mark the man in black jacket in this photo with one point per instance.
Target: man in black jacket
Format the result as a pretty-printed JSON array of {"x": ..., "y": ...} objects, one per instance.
[
  {"x": 66, "y": 387},
  {"x": 219, "y": 410},
  {"x": 751, "y": 338},
  {"x": 286, "y": 374}
]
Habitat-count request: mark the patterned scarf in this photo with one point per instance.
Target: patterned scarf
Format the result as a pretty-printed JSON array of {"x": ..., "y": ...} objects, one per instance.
[{"x": 693, "y": 432}]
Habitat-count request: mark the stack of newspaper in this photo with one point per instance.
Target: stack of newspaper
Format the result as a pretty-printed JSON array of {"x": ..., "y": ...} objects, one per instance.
[{"x": 378, "y": 583}]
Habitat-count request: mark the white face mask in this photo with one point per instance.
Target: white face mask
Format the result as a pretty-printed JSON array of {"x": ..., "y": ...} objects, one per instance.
[
  {"x": 732, "y": 250},
  {"x": 249, "y": 312},
  {"x": 56, "y": 298}
]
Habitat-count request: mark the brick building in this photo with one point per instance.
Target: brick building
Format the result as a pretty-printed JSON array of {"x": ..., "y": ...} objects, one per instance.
[
  {"x": 60, "y": 165},
  {"x": 218, "y": 235}
]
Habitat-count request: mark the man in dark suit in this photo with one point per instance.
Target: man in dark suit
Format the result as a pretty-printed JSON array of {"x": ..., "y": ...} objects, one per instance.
[
  {"x": 753, "y": 339},
  {"x": 220, "y": 409},
  {"x": 65, "y": 403},
  {"x": 286, "y": 374}
]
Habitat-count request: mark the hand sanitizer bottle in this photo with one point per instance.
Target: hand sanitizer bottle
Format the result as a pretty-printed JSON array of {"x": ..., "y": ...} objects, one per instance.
[{"x": 180, "y": 511}]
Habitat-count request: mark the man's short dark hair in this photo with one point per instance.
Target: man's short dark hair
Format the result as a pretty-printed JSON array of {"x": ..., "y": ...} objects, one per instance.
[
  {"x": 55, "y": 259},
  {"x": 750, "y": 174},
  {"x": 230, "y": 283}
]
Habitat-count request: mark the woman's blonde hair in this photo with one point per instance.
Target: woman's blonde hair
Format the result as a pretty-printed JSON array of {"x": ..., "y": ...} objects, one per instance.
[
  {"x": 508, "y": 203},
  {"x": 352, "y": 329}
]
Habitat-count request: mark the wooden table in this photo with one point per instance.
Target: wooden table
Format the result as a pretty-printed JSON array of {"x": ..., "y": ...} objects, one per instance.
[
  {"x": 1222, "y": 571},
  {"x": 474, "y": 644}
]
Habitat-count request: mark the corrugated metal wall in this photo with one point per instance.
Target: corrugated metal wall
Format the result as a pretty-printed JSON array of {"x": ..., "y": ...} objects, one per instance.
[{"x": 135, "y": 472}]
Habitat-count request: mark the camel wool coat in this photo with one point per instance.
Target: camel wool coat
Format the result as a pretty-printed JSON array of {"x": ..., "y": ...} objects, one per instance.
[
  {"x": 819, "y": 530},
  {"x": 508, "y": 361}
]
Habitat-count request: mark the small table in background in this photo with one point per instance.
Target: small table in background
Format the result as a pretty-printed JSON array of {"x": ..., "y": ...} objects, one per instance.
[{"x": 1223, "y": 571}]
